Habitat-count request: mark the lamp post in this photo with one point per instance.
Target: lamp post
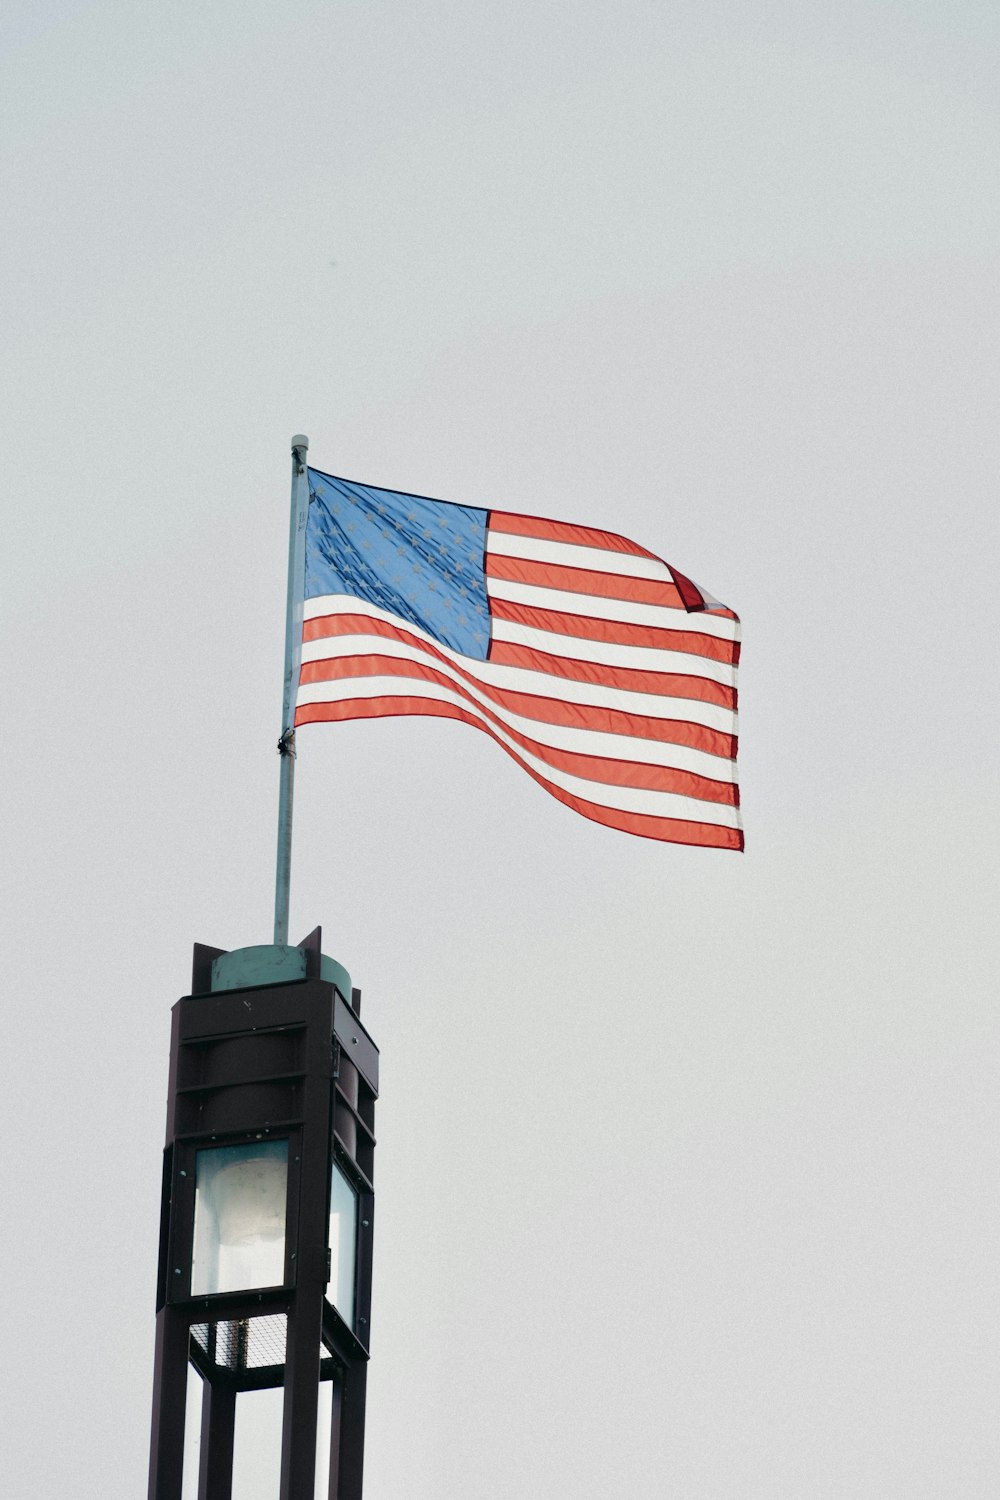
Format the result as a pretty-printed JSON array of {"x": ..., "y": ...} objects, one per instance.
[{"x": 266, "y": 1224}]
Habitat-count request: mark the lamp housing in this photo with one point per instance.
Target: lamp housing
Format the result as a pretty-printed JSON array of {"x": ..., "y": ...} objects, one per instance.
[{"x": 267, "y": 1212}]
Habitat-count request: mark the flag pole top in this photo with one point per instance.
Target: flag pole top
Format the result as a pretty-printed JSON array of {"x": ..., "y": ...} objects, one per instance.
[{"x": 300, "y": 441}]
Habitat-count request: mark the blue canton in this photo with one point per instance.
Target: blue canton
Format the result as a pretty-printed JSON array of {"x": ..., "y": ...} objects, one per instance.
[{"x": 422, "y": 560}]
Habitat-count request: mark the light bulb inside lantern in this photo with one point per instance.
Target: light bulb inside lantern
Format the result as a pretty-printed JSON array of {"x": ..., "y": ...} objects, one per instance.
[{"x": 239, "y": 1217}]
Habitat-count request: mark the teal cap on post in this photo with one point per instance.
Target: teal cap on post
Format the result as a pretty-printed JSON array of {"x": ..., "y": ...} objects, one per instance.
[{"x": 273, "y": 963}]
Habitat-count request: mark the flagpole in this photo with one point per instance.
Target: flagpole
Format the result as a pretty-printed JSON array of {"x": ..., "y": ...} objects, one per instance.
[{"x": 293, "y": 656}]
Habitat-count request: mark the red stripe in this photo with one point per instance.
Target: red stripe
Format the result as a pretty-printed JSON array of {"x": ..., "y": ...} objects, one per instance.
[
  {"x": 616, "y": 632},
  {"x": 562, "y": 531},
  {"x": 691, "y": 596},
  {"x": 627, "y": 679},
  {"x": 527, "y": 705},
  {"x": 609, "y": 769},
  {"x": 324, "y": 626},
  {"x": 583, "y": 581},
  {"x": 670, "y": 830}
]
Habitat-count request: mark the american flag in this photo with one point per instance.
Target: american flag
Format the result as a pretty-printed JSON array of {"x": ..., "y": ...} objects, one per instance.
[{"x": 605, "y": 673}]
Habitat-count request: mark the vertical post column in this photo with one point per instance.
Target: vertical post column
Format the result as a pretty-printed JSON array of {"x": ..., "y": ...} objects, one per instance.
[
  {"x": 170, "y": 1361},
  {"x": 218, "y": 1430},
  {"x": 351, "y": 1456},
  {"x": 333, "y": 1472},
  {"x": 305, "y": 1314}
]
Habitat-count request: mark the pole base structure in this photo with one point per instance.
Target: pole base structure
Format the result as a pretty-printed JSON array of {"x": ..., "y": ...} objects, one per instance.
[{"x": 266, "y": 1227}]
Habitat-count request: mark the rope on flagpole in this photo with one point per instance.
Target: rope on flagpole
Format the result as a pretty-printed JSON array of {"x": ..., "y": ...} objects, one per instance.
[{"x": 293, "y": 657}]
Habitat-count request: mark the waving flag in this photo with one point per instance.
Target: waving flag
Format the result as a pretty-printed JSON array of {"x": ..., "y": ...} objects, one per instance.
[{"x": 606, "y": 674}]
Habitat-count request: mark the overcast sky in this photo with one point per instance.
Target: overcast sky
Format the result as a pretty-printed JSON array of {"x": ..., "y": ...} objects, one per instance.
[{"x": 687, "y": 1166}]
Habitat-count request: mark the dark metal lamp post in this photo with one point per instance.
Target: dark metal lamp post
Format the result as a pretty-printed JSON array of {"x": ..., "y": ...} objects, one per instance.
[{"x": 266, "y": 1227}]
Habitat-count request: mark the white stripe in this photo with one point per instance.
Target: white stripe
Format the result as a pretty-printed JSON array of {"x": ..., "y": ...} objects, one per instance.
[
  {"x": 522, "y": 680},
  {"x": 570, "y": 555},
  {"x": 557, "y": 736},
  {"x": 556, "y": 599},
  {"x": 622, "y": 799},
  {"x": 606, "y": 653},
  {"x": 599, "y": 608}
]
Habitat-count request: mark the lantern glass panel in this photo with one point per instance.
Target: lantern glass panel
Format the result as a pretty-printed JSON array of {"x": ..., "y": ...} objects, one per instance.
[
  {"x": 239, "y": 1217},
  {"x": 343, "y": 1245}
]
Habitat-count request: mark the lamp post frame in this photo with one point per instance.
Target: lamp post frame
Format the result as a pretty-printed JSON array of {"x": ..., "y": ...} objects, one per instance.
[{"x": 268, "y": 1046}]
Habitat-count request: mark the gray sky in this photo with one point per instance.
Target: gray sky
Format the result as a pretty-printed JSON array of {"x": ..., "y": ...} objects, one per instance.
[{"x": 687, "y": 1161}]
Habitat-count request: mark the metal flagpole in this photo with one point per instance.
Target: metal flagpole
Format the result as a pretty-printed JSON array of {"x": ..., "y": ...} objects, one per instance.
[{"x": 293, "y": 656}]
